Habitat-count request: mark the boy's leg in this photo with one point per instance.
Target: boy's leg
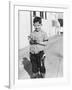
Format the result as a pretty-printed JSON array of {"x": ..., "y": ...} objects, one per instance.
[
  {"x": 34, "y": 65},
  {"x": 40, "y": 65},
  {"x": 42, "y": 68}
]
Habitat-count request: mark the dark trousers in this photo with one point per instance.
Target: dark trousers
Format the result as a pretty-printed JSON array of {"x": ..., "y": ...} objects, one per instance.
[{"x": 36, "y": 60}]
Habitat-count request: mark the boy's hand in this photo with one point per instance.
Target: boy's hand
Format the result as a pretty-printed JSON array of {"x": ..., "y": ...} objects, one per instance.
[
  {"x": 42, "y": 43},
  {"x": 33, "y": 41}
]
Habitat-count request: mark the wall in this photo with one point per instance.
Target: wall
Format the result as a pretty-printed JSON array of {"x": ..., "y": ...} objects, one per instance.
[{"x": 24, "y": 28}]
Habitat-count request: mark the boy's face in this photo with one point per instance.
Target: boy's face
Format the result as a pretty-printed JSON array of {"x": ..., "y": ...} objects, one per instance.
[{"x": 37, "y": 26}]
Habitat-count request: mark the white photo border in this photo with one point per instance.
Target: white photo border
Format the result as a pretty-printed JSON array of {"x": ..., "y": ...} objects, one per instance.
[{"x": 14, "y": 82}]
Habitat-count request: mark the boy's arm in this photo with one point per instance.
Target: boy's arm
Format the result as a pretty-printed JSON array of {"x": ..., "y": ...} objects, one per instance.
[
  {"x": 45, "y": 39},
  {"x": 43, "y": 43},
  {"x": 31, "y": 41}
]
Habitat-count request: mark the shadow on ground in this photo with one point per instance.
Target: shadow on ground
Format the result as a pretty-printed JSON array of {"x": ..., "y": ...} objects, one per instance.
[{"x": 27, "y": 66}]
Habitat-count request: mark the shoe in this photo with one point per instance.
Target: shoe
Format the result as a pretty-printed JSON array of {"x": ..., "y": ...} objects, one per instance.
[
  {"x": 35, "y": 75},
  {"x": 42, "y": 75}
]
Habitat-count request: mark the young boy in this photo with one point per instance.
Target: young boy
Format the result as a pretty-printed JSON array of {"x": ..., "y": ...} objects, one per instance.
[{"x": 38, "y": 40}]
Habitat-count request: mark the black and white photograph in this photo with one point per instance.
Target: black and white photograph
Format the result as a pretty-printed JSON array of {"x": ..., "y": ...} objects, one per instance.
[{"x": 40, "y": 44}]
